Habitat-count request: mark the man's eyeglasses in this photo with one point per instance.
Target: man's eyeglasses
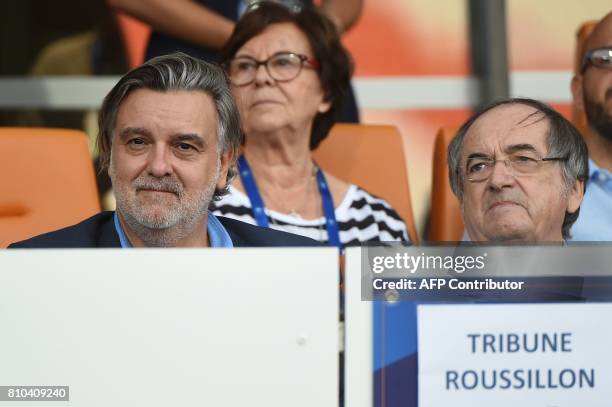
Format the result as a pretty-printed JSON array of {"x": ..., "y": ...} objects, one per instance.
[
  {"x": 599, "y": 57},
  {"x": 282, "y": 67},
  {"x": 481, "y": 168}
]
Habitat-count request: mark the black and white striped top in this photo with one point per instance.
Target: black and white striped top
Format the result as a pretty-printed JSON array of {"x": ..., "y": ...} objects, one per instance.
[{"x": 361, "y": 217}]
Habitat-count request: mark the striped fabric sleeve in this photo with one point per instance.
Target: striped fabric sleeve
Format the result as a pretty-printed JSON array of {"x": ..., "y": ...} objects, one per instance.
[{"x": 361, "y": 216}]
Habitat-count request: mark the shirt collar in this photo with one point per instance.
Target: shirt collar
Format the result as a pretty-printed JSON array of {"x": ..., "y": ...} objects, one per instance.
[
  {"x": 599, "y": 175},
  {"x": 217, "y": 235},
  {"x": 593, "y": 169},
  {"x": 125, "y": 242}
]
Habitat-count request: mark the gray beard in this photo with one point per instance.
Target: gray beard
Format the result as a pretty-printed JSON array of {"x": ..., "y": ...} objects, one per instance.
[
  {"x": 168, "y": 232},
  {"x": 158, "y": 235},
  {"x": 166, "y": 237}
]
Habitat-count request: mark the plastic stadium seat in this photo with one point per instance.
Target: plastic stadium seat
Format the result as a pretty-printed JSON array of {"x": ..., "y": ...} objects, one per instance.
[
  {"x": 372, "y": 157},
  {"x": 445, "y": 224},
  {"x": 135, "y": 35},
  {"x": 47, "y": 181},
  {"x": 578, "y": 116}
]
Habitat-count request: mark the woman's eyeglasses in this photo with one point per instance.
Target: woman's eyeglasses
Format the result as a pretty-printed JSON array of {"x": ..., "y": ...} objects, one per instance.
[{"x": 282, "y": 67}]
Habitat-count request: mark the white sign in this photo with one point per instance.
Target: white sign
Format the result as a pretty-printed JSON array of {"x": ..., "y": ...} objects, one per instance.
[
  {"x": 540, "y": 355},
  {"x": 171, "y": 327}
]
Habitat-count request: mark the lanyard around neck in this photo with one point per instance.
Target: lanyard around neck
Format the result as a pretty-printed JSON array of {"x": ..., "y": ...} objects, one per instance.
[{"x": 246, "y": 176}]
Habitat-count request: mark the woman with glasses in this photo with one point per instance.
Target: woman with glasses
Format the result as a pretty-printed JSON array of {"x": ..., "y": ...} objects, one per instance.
[
  {"x": 200, "y": 27},
  {"x": 288, "y": 72}
]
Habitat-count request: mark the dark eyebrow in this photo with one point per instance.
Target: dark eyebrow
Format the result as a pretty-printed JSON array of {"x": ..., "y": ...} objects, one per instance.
[
  {"x": 474, "y": 156},
  {"x": 285, "y": 52},
  {"x": 273, "y": 55},
  {"x": 520, "y": 147},
  {"x": 193, "y": 138},
  {"x": 245, "y": 56},
  {"x": 129, "y": 131}
]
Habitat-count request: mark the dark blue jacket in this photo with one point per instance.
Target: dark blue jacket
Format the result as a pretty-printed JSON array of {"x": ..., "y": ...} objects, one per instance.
[
  {"x": 99, "y": 231},
  {"x": 161, "y": 44}
]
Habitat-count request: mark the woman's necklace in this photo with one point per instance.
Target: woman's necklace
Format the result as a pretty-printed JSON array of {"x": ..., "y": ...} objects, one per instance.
[
  {"x": 258, "y": 209},
  {"x": 308, "y": 198},
  {"x": 295, "y": 214}
]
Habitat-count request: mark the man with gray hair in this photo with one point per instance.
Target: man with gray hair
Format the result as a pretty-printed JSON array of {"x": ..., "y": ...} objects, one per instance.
[
  {"x": 169, "y": 136},
  {"x": 518, "y": 169}
]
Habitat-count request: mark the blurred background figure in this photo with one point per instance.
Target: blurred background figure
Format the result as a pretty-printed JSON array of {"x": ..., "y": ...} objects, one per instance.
[
  {"x": 592, "y": 93},
  {"x": 89, "y": 45},
  {"x": 289, "y": 73},
  {"x": 200, "y": 28}
]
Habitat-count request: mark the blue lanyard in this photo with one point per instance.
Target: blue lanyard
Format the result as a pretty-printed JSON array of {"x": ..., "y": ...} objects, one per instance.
[{"x": 246, "y": 175}]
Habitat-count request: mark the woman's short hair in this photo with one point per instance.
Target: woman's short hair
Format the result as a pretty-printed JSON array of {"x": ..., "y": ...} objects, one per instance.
[{"x": 336, "y": 65}]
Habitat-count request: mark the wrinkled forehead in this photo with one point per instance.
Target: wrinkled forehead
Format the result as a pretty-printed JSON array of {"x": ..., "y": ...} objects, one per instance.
[{"x": 504, "y": 128}]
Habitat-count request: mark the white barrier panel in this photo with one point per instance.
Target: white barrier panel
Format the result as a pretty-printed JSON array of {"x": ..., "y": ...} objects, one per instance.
[
  {"x": 520, "y": 354},
  {"x": 166, "y": 327},
  {"x": 358, "y": 360}
]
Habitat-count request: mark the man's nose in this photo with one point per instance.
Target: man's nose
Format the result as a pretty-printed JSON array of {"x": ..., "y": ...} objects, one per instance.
[
  {"x": 502, "y": 175},
  {"x": 160, "y": 161}
]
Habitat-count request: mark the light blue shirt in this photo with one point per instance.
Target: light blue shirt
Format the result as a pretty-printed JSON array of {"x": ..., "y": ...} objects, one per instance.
[
  {"x": 595, "y": 220},
  {"x": 217, "y": 235}
]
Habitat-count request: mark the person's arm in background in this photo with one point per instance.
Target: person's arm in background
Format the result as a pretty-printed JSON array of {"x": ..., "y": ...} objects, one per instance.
[
  {"x": 183, "y": 19},
  {"x": 344, "y": 13}
]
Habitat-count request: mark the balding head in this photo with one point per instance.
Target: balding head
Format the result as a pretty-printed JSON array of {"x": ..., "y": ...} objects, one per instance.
[
  {"x": 518, "y": 168},
  {"x": 592, "y": 87},
  {"x": 601, "y": 36}
]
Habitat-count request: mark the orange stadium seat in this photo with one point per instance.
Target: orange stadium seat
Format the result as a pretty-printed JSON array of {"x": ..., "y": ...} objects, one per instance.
[
  {"x": 583, "y": 32},
  {"x": 135, "y": 35},
  {"x": 372, "y": 157},
  {"x": 47, "y": 181},
  {"x": 446, "y": 224},
  {"x": 578, "y": 116}
]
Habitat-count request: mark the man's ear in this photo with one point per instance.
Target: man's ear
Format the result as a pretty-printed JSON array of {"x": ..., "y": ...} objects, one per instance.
[
  {"x": 575, "y": 196},
  {"x": 577, "y": 94},
  {"x": 226, "y": 159}
]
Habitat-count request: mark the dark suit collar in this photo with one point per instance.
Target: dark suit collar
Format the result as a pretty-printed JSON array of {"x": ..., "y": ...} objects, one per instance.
[
  {"x": 234, "y": 233},
  {"x": 242, "y": 234},
  {"x": 108, "y": 236}
]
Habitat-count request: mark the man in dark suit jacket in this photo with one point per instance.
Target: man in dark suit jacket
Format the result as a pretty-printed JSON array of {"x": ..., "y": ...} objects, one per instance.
[
  {"x": 169, "y": 136},
  {"x": 533, "y": 196},
  {"x": 99, "y": 231}
]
